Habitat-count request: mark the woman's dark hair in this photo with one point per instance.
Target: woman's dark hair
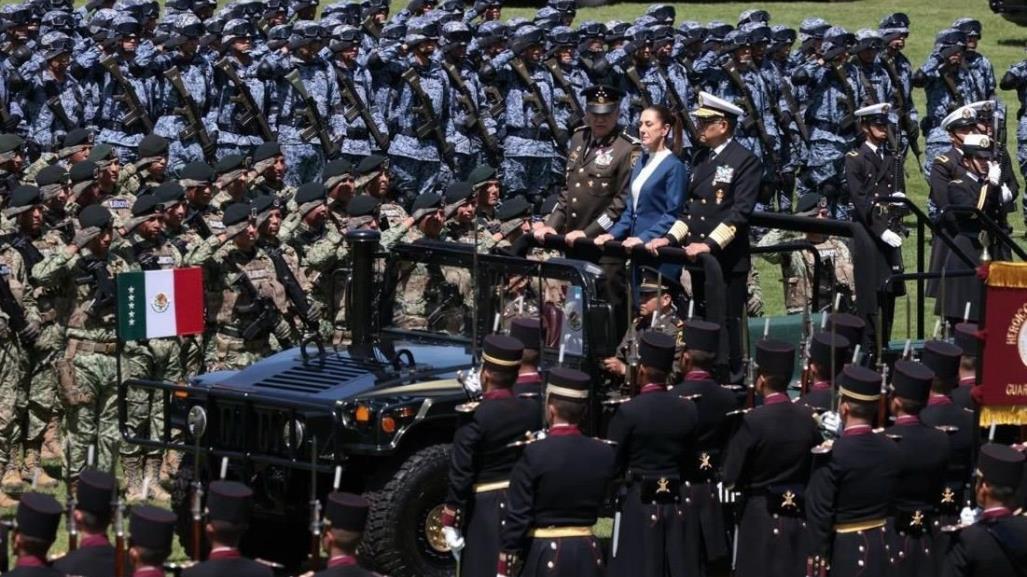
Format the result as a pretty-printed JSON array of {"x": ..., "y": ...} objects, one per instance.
[{"x": 670, "y": 118}]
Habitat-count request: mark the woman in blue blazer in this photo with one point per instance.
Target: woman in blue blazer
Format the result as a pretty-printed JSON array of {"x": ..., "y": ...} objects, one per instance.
[{"x": 656, "y": 191}]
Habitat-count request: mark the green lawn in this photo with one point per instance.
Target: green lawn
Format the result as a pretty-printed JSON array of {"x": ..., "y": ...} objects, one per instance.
[{"x": 1003, "y": 44}]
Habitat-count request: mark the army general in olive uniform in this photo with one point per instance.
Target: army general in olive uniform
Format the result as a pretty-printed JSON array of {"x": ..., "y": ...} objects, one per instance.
[{"x": 599, "y": 160}]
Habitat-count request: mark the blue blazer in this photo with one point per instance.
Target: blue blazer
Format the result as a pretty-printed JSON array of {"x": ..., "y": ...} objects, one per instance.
[{"x": 659, "y": 202}]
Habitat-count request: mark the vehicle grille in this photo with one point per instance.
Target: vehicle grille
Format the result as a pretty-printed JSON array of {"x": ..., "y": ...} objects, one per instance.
[{"x": 317, "y": 376}]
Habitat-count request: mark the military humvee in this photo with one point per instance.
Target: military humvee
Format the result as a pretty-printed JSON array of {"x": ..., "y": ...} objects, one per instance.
[{"x": 375, "y": 417}]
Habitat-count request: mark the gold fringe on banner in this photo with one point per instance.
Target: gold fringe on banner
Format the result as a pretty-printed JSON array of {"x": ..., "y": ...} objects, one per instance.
[
  {"x": 1007, "y": 274},
  {"x": 1003, "y": 415}
]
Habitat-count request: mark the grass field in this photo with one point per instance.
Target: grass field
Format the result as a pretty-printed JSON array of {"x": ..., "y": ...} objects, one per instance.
[{"x": 1003, "y": 44}]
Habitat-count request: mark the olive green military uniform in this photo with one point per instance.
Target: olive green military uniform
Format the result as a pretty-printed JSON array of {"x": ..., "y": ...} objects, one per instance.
[{"x": 320, "y": 254}]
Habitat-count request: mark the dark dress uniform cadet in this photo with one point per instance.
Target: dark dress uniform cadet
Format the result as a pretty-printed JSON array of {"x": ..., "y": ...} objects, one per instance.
[
  {"x": 996, "y": 545},
  {"x": 228, "y": 502},
  {"x": 38, "y": 517},
  {"x": 597, "y": 173},
  {"x": 152, "y": 528},
  {"x": 943, "y": 358},
  {"x": 925, "y": 457},
  {"x": 345, "y": 512},
  {"x": 822, "y": 345},
  {"x": 482, "y": 458},
  {"x": 966, "y": 339},
  {"x": 556, "y": 491},
  {"x": 723, "y": 191},
  {"x": 973, "y": 189},
  {"x": 946, "y": 167},
  {"x": 94, "y": 556},
  {"x": 768, "y": 461},
  {"x": 702, "y": 474},
  {"x": 872, "y": 172},
  {"x": 655, "y": 436},
  {"x": 529, "y": 379},
  {"x": 850, "y": 492}
]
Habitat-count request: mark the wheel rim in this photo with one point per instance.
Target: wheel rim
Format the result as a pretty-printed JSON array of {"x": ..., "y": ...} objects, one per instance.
[{"x": 433, "y": 530}]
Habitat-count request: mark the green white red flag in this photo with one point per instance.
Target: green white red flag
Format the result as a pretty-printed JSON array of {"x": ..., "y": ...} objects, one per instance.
[{"x": 160, "y": 303}]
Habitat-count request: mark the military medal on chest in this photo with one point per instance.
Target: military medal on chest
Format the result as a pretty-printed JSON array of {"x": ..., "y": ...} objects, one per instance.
[
  {"x": 724, "y": 174},
  {"x": 604, "y": 157}
]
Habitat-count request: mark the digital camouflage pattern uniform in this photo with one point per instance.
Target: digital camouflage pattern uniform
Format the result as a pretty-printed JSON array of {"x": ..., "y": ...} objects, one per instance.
[
  {"x": 798, "y": 270},
  {"x": 14, "y": 365}
]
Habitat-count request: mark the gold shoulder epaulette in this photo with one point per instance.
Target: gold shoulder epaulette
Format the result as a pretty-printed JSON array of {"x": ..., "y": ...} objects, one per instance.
[
  {"x": 853, "y": 153},
  {"x": 956, "y": 181},
  {"x": 941, "y": 158}
]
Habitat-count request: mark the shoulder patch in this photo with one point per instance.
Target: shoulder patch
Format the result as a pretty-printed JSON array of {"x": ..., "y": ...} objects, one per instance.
[
  {"x": 630, "y": 139},
  {"x": 853, "y": 153}
]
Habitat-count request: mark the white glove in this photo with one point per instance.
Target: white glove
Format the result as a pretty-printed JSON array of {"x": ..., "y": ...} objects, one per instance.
[
  {"x": 994, "y": 172},
  {"x": 471, "y": 380},
  {"x": 831, "y": 423},
  {"x": 1007, "y": 195},
  {"x": 454, "y": 539},
  {"x": 899, "y": 194},
  {"x": 891, "y": 239},
  {"x": 968, "y": 516}
]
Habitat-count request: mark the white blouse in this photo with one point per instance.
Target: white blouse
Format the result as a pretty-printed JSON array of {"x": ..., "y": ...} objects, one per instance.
[{"x": 650, "y": 166}]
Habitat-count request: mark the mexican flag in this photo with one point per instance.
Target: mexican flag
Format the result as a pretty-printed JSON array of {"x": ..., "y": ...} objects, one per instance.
[{"x": 160, "y": 303}]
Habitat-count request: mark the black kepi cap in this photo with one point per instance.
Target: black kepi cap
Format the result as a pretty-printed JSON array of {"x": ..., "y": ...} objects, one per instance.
[
  {"x": 942, "y": 358},
  {"x": 702, "y": 336},
  {"x": 860, "y": 383},
  {"x": 229, "y": 501},
  {"x": 152, "y": 527},
  {"x": 95, "y": 492},
  {"x": 1000, "y": 465},
  {"x": 776, "y": 358},
  {"x": 912, "y": 380},
  {"x": 502, "y": 353},
  {"x": 967, "y": 339},
  {"x": 656, "y": 349},
  {"x": 821, "y": 346},
  {"x": 346, "y": 511},
  {"x": 848, "y": 325},
  {"x": 567, "y": 383},
  {"x": 38, "y": 516},
  {"x": 528, "y": 331}
]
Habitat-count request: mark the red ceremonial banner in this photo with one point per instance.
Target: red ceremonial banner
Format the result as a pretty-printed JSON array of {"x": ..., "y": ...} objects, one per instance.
[{"x": 1003, "y": 369}]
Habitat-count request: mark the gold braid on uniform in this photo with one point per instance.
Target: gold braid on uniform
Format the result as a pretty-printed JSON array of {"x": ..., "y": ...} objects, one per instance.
[
  {"x": 982, "y": 197},
  {"x": 723, "y": 234},
  {"x": 679, "y": 231}
]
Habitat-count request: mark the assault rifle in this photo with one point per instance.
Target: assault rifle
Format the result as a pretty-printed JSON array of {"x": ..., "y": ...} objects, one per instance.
[
  {"x": 466, "y": 99},
  {"x": 136, "y": 112},
  {"x": 190, "y": 111},
  {"x": 355, "y": 107},
  {"x": 317, "y": 127},
  {"x": 431, "y": 127},
  {"x": 251, "y": 115},
  {"x": 545, "y": 113}
]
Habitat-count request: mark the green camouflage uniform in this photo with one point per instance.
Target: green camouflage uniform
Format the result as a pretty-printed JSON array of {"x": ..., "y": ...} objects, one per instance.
[
  {"x": 223, "y": 265},
  {"x": 87, "y": 374},
  {"x": 161, "y": 359},
  {"x": 320, "y": 254},
  {"x": 797, "y": 270},
  {"x": 44, "y": 404},
  {"x": 667, "y": 323},
  {"x": 131, "y": 180},
  {"x": 14, "y": 358}
]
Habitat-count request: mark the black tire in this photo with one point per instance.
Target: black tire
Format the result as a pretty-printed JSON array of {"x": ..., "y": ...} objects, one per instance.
[{"x": 395, "y": 540}]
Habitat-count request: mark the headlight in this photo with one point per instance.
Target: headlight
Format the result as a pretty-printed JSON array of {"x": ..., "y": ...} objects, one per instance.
[{"x": 287, "y": 433}]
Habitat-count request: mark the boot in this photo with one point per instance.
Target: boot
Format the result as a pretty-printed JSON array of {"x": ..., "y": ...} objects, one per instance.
[
  {"x": 169, "y": 467},
  {"x": 32, "y": 468},
  {"x": 52, "y": 449},
  {"x": 12, "y": 482},
  {"x": 133, "y": 473},
  {"x": 7, "y": 502},
  {"x": 153, "y": 467}
]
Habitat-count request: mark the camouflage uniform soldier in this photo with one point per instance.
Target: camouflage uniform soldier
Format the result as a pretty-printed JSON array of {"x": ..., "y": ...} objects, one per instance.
[
  {"x": 227, "y": 114},
  {"x": 656, "y": 311},
  {"x": 14, "y": 356},
  {"x": 798, "y": 268},
  {"x": 161, "y": 359},
  {"x": 246, "y": 303},
  {"x": 202, "y": 217},
  {"x": 373, "y": 178},
  {"x": 112, "y": 111},
  {"x": 39, "y": 398},
  {"x": 56, "y": 104},
  {"x": 413, "y": 307},
  {"x": 148, "y": 171},
  {"x": 320, "y": 248},
  {"x": 231, "y": 178},
  {"x": 269, "y": 170},
  {"x": 461, "y": 214},
  {"x": 106, "y": 182},
  {"x": 87, "y": 375},
  {"x": 75, "y": 147}
]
